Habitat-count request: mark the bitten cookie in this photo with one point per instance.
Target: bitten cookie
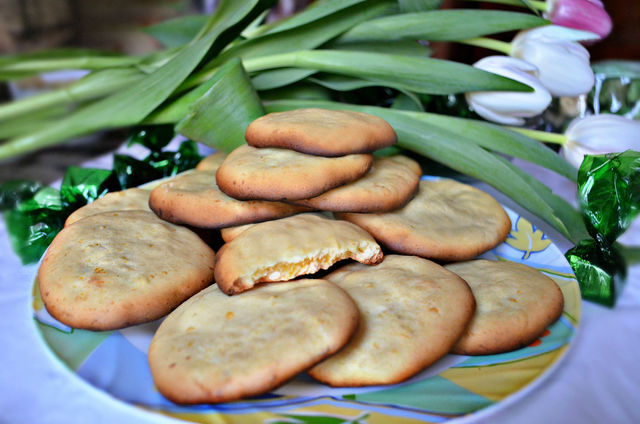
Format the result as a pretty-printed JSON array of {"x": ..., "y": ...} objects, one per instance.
[
  {"x": 116, "y": 269},
  {"x": 446, "y": 220},
  {"x": 216, "y": 348},
  {"x": 280, "y": 174},
  {"x": 515, "y": 303},
  {"x": 136, "y": 199},
  {"x": 321, "y": 132},
  {"x": 193, "y": 198},
  {"x": 286, "y": 248},
  {"x": 211, "y": 162},
  {"x": 390, "y": 183},
  {"x": 412, "y": 311}
]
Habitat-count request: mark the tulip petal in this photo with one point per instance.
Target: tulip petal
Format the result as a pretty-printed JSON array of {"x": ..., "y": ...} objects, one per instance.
[
  {"x": 564, "y": 67},
  {"x": 587, "y": 15},
  {"x": 599, "y": 134},
  {"x": 508, "y": 107}
]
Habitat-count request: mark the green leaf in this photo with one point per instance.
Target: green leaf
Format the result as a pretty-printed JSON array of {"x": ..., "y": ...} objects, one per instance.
[
  {"x": 419, "y": 5},
  {"x": 96, "y": 84},
  {"x": 13, "y": 192},
  {"x": 401, "y": 47},
  {"x": 417, "y": 74},
  {"x": 569, "y": 215},
  {"x": 443, "y": 25},
  {"x": 343, "y": 83},
  {"x": 267, "y": 80},
  {"x": 221, "y": 116},
  {"x": 178, "y": 31},
  {"x": 26, "y": 68},
  {"x": 450, "y": 149},
  {"x": 300, "y": 37},
  {"x": 504, "y": 141},
  {"x": 128, "y": 107}
]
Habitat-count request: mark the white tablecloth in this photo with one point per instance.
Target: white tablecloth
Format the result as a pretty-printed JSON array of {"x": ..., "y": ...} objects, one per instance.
[{"x": 598, "y": 381}]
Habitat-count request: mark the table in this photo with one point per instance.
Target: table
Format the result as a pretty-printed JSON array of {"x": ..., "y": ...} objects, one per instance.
[{"x": 598, "y": 381}]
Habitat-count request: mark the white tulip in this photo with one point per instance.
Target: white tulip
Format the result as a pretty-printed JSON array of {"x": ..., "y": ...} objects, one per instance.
[
  {"x": 509, "y": 107},
  {"x": 599, "y": 134},
  {"x": 563, "y": 64}
]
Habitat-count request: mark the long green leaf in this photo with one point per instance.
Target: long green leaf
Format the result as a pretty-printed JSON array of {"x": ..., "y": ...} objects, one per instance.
[
  {"x": 502, "y": 140},
  {"x": 342, "y": 83},
  {"x": 222, "y": 114},
  {"x": 421, "y": 75},
  {"x": 419, "y": 5},
  {"x": 28, "y": 68},
  {"x": 443, "y": 25},
  {"x": 178, "y": 31},
  {"x": 406, "y": 47},
  {"x": 301, "y": 37},
  {"x": 452, "y": 150},
  {"x": 268, "y": 80},
  {"x": 94, "y": 85},
  {"x": 569, "y": 215},
  {"x": 129, "y": 107}
]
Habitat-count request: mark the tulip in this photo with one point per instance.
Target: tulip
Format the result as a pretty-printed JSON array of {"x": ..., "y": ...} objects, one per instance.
[
  {"x": 599, "y": 134},
  {"x": 563, "y": 64},
  {"x": 509, "y": 107},
  {"x": 587, "y": 15}
]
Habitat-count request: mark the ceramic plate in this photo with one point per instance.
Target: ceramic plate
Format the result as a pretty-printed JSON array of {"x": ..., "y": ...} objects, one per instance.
[{"x": 453, "y": 388}]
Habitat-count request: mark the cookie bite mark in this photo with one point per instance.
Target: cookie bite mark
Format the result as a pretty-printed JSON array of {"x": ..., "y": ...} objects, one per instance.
[{"x": 287, "y": 248}]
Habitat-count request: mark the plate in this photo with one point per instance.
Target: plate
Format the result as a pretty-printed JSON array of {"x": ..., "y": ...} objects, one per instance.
[{"x": 454, "y": 387}]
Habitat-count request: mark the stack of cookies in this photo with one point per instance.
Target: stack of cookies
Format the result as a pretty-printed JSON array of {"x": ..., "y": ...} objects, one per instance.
[{"x": 304, "y": 193}]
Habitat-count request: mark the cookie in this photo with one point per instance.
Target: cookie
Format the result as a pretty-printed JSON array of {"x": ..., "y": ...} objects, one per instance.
[
  {"x": 280, "y": 174},
  {"x": 135, "y": 199},
  {"x": 412, "y": 311},
  {"x": 286, "y": 248},
  {"x": 116, "y": 269},
  {"x": 446, "y": 221},
  {"x": 390, "y": 183},
  {"x": 211, "y": 162},
  {"x": 515, "y": 303},
  {"x": 193, "y": 198},
  {"x": 321, "y": 132},
  {"x": 216, "y": 348}
]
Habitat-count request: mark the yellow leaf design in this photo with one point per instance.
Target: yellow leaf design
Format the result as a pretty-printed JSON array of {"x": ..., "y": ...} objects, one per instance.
[
  {"x": 37, "y": 304},
  {"x": 527, "y": 239}
]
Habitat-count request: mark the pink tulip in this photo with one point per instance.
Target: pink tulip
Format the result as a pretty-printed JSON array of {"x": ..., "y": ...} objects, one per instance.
[{"x": 586, "y": 15}]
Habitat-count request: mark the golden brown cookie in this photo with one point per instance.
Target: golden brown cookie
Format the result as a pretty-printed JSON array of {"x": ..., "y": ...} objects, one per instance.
[
  {"x": 390, "y": 183},
  {"x": 116, "y": 269},
  {"x": 283, "y": 249},
  {"x": 281, "y": 174},
  {"x": 216, "y": 348},
  {"x": 193, "y": 198},
  {"x": 446, "y": 220},
  {"x": 321, "y": 132},
  {"x": 412, "y": 311},
  {"x": 514, "y": 304},
  {"x": 211, "y": 162},
  {"x": 136, "y": 199}
]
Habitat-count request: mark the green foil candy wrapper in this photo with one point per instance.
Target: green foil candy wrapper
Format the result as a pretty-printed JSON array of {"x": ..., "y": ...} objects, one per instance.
[
  {"x": 33, "y": 221},
  {"x": 609, "y": 194},
  {"x": 35, "y": 214}
]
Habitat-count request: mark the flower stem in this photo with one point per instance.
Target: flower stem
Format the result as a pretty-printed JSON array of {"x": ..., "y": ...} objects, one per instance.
[
  {"x": 489, "y": 43},
  {"x": 546, "y": 137}
]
